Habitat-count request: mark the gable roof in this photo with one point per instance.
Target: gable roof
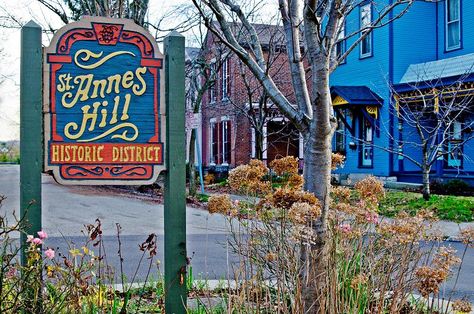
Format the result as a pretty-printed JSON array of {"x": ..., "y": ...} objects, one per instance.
[
  {"x": 268, "y": 34},
  {"x": 435, "y": 70}
]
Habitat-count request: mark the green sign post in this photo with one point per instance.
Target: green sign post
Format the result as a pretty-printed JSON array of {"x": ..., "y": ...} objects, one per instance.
[
  {"x": 31, "y": 130},
  {"x": 175, "y": 186},
  {"x": 31, "y": 141}
]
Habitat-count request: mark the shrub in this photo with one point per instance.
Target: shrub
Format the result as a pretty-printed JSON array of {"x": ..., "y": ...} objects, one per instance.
[
  {"x": 451, "y": 187},
  {"x": 371, "y": 265}
]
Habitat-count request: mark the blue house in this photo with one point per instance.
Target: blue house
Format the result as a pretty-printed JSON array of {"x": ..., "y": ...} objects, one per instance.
[{"x": 408, "y": 83}]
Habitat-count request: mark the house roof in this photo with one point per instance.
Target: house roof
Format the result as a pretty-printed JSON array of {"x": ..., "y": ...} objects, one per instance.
[
  {"x": 436, "y": 70},
  {"x": 267, "y": 34},
  {"x": 355, "y": 95}
]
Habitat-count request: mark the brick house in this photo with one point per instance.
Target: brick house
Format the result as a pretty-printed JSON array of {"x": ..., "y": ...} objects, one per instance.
[{"x": 238, "y": 120}]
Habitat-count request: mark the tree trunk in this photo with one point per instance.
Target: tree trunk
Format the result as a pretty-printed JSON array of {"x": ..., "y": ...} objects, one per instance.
[
  {"x": 192, "y": 161},
  {"x": 317, "y": 175},
  {"x": 426, "y": 183}
]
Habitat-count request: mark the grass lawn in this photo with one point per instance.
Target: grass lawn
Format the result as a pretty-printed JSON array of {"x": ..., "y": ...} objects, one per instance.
[{"x": 453, "y": 208}]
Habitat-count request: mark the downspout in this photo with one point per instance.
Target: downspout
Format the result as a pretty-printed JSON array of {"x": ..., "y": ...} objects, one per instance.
[
  {"x": 437, "y": 31},
  {"x": 390, "y": 82}
]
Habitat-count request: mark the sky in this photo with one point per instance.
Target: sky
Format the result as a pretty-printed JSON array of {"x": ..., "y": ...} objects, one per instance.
[{"x": 23, "y": 11}]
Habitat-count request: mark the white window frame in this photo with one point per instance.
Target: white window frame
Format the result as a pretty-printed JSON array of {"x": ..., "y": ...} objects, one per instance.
[
  {"x": 223, "y": 140},
  {"x": 212, "y": 122},
  {"x": 340, "y": 42},
  {"x": 448, "y": 23},
  {"x": 363, "y": 23},
  {"x": 225, "y": 79}
]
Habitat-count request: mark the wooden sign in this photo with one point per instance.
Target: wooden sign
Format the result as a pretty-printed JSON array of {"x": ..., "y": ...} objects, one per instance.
[{"x": 104, "y": 104}]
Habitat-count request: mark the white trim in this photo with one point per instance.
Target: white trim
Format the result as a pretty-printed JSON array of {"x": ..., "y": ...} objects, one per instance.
[
  {"x": 211, "y": 140},
  {"x": 446, "y": 24},
  {"x": 264, "y": 156},
  {"x": 369, "y": 35},
  {"x": 300, "y": 147},
  {"x": 253, "y": 143}
]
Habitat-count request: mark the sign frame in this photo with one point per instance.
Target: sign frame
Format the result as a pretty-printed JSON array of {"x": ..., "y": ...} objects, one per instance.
[{"x": 117, "y": 170}]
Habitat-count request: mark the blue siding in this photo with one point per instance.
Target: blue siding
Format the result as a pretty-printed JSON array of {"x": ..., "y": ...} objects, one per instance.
[{"x": 417, "y": 37}]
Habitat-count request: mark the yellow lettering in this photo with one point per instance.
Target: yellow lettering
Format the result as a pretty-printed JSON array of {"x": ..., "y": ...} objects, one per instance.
[
  {"x": 99, "y": 151},
  {"x": 74, "y": 149},
  {"x": 55, "y": 153},
  {"x": 115, "y": 153},
  {"x": 127, "y": 79},
  {"x": 157, "y": 150},
  {"x": 102, "y": 84},
  {"x": 137, "y": 90},
  {"x": 139, "y": 154},
  {"x": 82, "y": 93},
  {"x": 114, "y": 79},
  {"x": 125, "y": 108},
  {"x": 80, "y": 153},
  {"x": 68, "y": 156},
  {"x": 87, "y": 154}
]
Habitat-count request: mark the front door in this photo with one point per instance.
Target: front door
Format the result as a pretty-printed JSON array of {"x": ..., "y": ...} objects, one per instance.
[{"x": 367, "y": 148}]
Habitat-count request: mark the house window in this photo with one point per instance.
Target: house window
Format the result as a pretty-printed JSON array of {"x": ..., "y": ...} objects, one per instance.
[
  {"x": 366, "y": 21},
  {"x": 214, "y": 141},
  {"x": 225, "y": 79},
  {"x": 340, "y": 42},
  {"x": 453, "y": 24},
  {"x": 454, "y": 150},
  {"x": 212, "y": 88},
  {"x": 367, "y": 148},
  {"x": 226, "y": 141}
]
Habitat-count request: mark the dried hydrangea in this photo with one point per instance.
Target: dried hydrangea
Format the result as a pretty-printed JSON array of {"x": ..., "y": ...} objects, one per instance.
[
  {"x": 303, "y": 213},
  {"x": 220, "y": 204},
  {"x": 285, "y": 166},
  {"x": 370, "y": 189},
  {"x": 430, "y": 277},
  {"x": 248, "y": 178},
  {"x": 467, "y": 236},
  {"x": 337, "y": 160},
  {"x": 403, "y": 230},
  {"x": 462, "y": 306},
  {"x": 341, "y": 194}
]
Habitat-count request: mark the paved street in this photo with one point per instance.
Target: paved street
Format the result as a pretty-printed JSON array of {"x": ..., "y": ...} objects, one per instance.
[{"x": 66, "y": 209}]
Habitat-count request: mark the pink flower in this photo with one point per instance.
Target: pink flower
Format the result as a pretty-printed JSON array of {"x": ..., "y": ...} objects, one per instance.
[
  {"x": 37, "y": 241},
  {"x": 29, "y": 238},
  {"x": 49, "y": 253},
  {"x": 372, "y": 218},
  {"x": 236, "y": 202},
  {"x": 42, "y": 234},
  {"x": 345, "y": 228},
  {"x": 11, "y": 272}
]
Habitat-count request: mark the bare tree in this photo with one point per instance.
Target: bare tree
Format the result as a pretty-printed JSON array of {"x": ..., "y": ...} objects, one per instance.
[
  {"x": 319, "y": 23},
  {"x": 435, "y": 120},
  {"x": 200, "y": 77}
]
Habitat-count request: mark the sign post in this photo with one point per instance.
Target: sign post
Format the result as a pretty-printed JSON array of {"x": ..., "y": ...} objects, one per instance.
[
  {"x": 31, "y": 131},
  {"x": 175, "y": 184},
  {"x": 103, "y": 91}
]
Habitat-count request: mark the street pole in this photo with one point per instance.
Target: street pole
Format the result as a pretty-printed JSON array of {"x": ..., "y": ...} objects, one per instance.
[
  {"x": 175, "y": 183},
  {"x": 31, "y": 131}
]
